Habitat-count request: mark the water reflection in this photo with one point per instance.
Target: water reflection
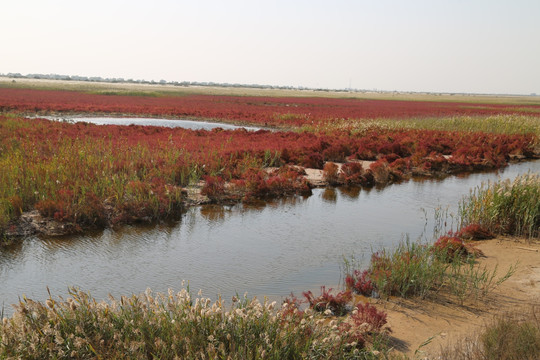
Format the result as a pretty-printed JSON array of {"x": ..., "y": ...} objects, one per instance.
[
  {"x": 329, "y": 195},
  {"x": 267, "y": 248},
  {"x": 351, "y": 192},
  {"x": 214, "y": 213}
]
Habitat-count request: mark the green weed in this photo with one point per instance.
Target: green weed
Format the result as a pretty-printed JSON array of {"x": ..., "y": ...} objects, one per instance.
[
  {"x": 415, "y": 269},
  {"x": 505, "y": 207}
]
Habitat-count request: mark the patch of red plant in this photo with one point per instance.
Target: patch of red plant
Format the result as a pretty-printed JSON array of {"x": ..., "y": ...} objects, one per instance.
[
  {"x": 337, "y": 304},
  {"x": 360, "y": 282},
  {"x": 259, "y": 110},
  {"x": 367, "y": 315},
  {"x": 475, "y": 232},
  {"x": 451, "y": 246}
]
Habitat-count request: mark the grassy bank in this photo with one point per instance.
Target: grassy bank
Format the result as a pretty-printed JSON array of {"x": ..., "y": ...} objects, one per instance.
[
  {"x": 447, "y": 267},
  {"x": 444, "y": 270},
  {"x": 505, "y": 207}
]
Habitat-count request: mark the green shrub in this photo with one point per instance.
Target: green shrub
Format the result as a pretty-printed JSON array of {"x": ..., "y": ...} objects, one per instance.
[
  {"x": 416, "y": 269},
  {"x": 505, "y": 207}
]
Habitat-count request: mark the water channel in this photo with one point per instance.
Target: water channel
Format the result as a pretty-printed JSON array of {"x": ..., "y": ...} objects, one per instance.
[
  {"x": 291, "y": 244},
  {"x": 182, "y": 123}
]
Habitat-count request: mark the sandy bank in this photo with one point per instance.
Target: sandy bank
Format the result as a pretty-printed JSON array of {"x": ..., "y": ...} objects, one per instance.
[{"x": 416, "y": 321}]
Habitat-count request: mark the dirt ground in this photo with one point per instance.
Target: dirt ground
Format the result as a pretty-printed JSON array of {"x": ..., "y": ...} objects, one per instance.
[{"x": 442, "y": 322}]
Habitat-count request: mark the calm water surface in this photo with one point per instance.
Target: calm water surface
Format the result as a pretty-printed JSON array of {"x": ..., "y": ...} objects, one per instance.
[
  {"x": 186, "y": 124},
  {"x": 272, "y": 249}
]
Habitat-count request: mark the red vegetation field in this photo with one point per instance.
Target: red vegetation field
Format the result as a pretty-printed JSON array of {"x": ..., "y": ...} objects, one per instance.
[
  {"x": 257, "y": 110},
  {"x": 89, "y": 175}
]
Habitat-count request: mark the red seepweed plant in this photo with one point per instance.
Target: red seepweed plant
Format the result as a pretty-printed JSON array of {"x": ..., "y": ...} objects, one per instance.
[
  {"x": 331, "y": 173},
  {"x": 101, "y": 175},
  {"x": 274, "y": 111},
  {"x": 450, "y": 246},
  {"x": 367, "y": 315},
  {"x": 336, "y": 304},
  {"x": 474, "y": 232},
  {"x": 359, "y": 282}
]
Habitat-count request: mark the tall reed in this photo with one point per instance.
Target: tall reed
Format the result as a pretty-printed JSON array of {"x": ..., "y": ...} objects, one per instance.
[{"x": 506, "y": 207}]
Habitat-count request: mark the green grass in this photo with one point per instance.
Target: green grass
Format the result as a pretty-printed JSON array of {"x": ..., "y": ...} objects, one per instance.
[
  {"x": 498, "y": 124},
  {"x": 414, "y": 269},
  {"x": 505, "y": 207}
]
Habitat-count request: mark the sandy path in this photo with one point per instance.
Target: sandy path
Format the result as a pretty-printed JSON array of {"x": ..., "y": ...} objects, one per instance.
[{"x": 415, "y": 321}]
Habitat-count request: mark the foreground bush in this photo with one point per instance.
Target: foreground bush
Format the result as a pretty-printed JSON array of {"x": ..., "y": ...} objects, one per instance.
[
  {"x": 506, "y": 207},
  {"x": 167, "y": 326},
  {"x": 327, "y": 302}
]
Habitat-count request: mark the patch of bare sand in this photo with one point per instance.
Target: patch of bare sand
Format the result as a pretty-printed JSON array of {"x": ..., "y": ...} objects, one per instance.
[{"x": 415, "y": 321}]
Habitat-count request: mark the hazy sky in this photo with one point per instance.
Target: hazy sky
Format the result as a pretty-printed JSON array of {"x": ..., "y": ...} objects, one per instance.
[{"x": 489, "y": 46}]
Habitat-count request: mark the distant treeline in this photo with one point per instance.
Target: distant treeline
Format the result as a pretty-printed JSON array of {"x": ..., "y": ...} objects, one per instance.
[{"x": 160, "y": 82}]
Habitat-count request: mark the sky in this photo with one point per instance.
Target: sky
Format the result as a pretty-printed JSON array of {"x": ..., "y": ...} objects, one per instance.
[{"x": 466, "y": 46}]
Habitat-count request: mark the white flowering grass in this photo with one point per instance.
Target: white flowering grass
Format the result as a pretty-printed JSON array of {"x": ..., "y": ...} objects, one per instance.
[{"x": 173, "y": 325}]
